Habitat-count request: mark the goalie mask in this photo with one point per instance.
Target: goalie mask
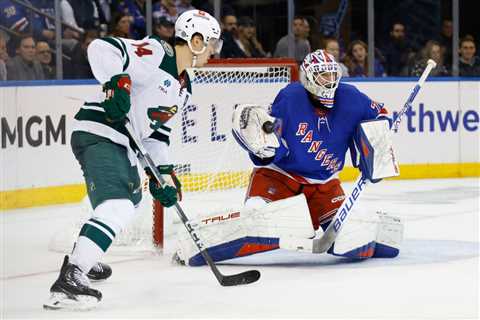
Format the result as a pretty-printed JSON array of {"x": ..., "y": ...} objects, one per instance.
[
  {"x": 320, "y": 75},
  {"x": 192, "y": 22}
]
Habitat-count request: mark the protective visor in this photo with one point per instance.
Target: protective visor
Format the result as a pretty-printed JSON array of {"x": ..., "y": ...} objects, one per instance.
[{"x": 216, "y": 45}]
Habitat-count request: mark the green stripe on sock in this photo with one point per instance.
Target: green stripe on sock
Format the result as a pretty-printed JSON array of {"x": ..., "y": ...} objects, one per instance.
[
  {"x": 96, "y": 235},
  {"x": 105, "y": 226}
]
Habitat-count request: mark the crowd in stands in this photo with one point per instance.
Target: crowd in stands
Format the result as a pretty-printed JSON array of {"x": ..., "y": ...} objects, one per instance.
[{"x": 27, "y": 39}]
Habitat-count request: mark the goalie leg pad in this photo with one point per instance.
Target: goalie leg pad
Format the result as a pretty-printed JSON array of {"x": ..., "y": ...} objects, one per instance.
[
  {"x": 251, "y": 230},
  {"x": 389, "y": 237},
  {"x": 357, "y": 238},
  {"x": 369, "y": 235},
  {"x": 237, "y": 248}
]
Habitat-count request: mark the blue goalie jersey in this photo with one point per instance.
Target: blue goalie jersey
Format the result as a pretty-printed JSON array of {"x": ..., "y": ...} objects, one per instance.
[{"x": 314, "y": 141}]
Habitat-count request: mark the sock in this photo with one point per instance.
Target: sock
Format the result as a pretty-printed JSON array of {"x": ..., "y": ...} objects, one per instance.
[
  {"x": 98, "y": 233},
  {"x": 94, "y": 240}
]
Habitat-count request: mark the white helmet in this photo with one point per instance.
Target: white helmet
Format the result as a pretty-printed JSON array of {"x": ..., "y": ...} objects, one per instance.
[
  {"x": 320, "y": 75},
  {"x": 197, "y": 21}
]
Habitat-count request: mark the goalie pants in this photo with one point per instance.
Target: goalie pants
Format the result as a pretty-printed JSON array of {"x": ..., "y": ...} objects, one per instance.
[{"x": 323, "y": 199}]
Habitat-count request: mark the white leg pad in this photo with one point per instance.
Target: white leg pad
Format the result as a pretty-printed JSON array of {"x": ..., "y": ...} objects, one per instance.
[
  {"x": 390, "y": 231},
  {"x": 279, "y": 219},
  {"x": 360, "y": 230}
]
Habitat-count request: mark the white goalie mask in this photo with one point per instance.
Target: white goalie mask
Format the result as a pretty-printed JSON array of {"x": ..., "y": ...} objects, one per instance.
[
  {"x": 192, "y": 22},
  {"x": 320, "y": 75}
]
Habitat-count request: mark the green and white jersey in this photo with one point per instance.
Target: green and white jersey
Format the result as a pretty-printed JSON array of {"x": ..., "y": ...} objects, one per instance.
[{"x": 156, "y": 92}]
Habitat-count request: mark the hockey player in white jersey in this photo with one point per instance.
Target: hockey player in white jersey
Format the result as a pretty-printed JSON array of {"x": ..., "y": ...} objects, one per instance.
[{"x": 144, "y": 81}]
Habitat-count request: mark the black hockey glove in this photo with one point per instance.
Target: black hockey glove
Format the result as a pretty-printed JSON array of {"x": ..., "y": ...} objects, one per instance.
[
  {"x": 117, "y": 100},
  {"x": 172, "y": 192}
]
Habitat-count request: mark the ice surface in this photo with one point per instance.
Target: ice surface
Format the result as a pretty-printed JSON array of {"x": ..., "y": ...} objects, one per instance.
[{"x": 435, "y": 276}]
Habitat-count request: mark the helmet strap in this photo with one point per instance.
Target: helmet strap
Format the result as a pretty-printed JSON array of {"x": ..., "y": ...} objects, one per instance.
[
  {"x": 195, "y": 53},
  {"x": 194, "y": 60}
]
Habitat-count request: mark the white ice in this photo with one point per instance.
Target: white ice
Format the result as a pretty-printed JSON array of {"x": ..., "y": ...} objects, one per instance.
[{"x": 435, "y": 276}]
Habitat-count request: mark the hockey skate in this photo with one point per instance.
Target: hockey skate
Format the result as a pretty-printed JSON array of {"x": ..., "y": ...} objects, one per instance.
[
  {"x": 177, "y": 260},
  {"x": 100, "y": 271},
  {"x": 72, "y": 290}
]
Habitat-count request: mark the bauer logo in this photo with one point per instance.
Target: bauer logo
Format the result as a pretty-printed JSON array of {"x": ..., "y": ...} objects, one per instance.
[
  {"x": 34, "y": 131},
  {"x": 348, "y": 205}
]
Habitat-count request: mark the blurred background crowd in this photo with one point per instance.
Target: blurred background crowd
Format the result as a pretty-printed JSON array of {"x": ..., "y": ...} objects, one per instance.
[{"x": 405, "y": 34}]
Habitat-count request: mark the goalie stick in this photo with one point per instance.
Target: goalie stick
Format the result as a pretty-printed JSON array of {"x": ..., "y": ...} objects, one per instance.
[
  {"x": 225, "y": 280},
  {"x": 328, "y": 238}
]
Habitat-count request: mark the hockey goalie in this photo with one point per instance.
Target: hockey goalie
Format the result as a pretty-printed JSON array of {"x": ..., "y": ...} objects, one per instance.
[{"x": 298, "y": 147}]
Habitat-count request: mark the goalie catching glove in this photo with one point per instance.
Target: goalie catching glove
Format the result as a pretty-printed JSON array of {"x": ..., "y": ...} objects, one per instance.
[
  {"x": 255, "y": 130},
  {"x": 117, "y": 97},
  {"x": 171, "y": 192}
]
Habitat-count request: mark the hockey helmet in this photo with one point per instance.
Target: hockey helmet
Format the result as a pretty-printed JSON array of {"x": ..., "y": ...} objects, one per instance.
[
  {"x": 192, "y": 22},
  {"x": 320, "y": 75}
]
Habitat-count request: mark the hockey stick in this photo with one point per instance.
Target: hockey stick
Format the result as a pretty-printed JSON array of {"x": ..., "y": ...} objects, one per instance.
[
  {"x": 328, "y": 238},
  {"x": 225, "y": 280}
]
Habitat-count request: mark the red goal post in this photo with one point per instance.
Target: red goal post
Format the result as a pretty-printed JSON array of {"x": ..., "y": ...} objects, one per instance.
[{"x": 228, "y": 75}]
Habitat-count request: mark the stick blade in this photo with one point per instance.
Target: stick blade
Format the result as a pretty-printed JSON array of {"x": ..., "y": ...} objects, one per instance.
[{"x": 241, "y": 278}]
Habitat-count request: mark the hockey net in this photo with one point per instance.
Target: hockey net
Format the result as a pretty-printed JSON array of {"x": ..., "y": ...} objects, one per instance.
[{"x": 213, "y": 169}]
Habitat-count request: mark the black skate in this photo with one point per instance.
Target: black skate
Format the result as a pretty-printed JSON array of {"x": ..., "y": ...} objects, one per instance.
[
  {"x": 72, "y": 290},
  {"x": 100, "y": 271}
]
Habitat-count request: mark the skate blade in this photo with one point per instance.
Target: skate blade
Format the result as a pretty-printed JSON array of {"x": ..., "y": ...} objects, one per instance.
[{"x": 60, "y": 301}]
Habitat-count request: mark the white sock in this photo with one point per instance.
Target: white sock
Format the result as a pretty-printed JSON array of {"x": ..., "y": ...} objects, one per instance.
[
  {"x": 98, "y": 233},
  {"x": 85, "y": 254}
]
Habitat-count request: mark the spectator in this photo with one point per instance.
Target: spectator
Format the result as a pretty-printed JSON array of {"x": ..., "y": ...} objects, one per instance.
[
  {"x": 167, "y": 9},
  {"x": 44, "y": 56},
  {"x": 164, "y": 29},
  {"x": 230, "y": 48},
  {"x": 247, "y": 39},
  {"x": 184, "y": 5},
  {"x": 302, "y": 45},
  {"x": 306, "y": 29},
  {"x": 3, "y": 57},
  {"x": 23, "y": 66},
  {"x": 357, "y": 61},
  {"x": 332, "y": 47},
  {"x": 397, "y": 51},
  {"x": 43, "y": 27},
  {"x": 469, "y": 63},
  {"x": 432, "y": 50},
  {"x": 79, "y": 68},
  {"x": 135, "y": 9},
  {"x": 13, "y": 17},
  {"x": 88, "y": 14},
  {"x": 69, "y": 17},
  {"x": 120, "y": 25},
  {"x": 445, "y": 41}
]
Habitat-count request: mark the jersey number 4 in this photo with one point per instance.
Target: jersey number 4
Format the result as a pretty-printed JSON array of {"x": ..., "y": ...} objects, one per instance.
[{"x": 141, "y": 50}]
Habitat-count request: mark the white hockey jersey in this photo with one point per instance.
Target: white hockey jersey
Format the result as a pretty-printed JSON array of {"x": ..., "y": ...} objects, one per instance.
[{"x": 157, "y": 92}]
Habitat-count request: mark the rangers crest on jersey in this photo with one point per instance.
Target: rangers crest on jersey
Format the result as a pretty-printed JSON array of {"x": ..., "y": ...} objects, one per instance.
[{"x": 160, "y": 115}]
